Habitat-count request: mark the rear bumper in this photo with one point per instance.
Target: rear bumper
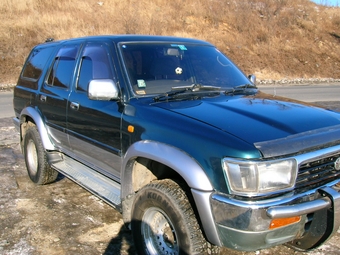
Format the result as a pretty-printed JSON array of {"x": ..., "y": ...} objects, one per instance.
[{"x": 245, "y": 225}]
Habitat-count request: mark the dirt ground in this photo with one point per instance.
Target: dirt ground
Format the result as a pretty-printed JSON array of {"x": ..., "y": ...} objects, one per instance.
[{"x": 63, "y": 218}]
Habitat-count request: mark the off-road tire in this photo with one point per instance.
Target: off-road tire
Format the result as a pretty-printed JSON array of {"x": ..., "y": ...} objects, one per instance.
[
  {"x": 37, "y": 165},
  {"x": 163, "y": 222}
]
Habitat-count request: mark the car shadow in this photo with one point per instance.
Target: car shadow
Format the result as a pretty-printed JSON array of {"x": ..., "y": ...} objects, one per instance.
[{"x": 122, "y": 242}]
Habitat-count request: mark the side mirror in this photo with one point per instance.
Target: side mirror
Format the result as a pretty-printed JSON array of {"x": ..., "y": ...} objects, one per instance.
[
  {"x": 252, "y": 78},
  {"x": 104, "y": 89}
]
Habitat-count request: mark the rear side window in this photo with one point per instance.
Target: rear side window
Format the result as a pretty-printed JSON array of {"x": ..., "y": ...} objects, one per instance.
[
  {"x": 63, "y": 67},
  {"x": 36, "y": 62}
]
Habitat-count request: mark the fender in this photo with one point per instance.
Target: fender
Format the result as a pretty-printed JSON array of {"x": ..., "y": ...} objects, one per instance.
[
  {"x": 34, "y": 114},
  {"x": 172, "y": 157},
  {"x": 184, "y": 165}
]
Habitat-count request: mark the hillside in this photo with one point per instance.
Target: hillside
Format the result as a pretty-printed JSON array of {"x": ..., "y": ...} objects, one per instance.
[{"x": 274, "y": 39}]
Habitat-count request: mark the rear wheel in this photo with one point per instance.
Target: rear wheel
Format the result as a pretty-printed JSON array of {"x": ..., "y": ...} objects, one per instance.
[
  {"x": 163, "y": 222},
  {"x": 37, "y": 166}
]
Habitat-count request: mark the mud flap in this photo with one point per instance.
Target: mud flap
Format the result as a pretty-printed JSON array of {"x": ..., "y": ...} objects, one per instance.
[{"x": 325, "y": 223}]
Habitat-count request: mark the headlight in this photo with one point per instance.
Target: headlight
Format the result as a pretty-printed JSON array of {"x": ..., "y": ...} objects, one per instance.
[{"x": 254, "y": 178}]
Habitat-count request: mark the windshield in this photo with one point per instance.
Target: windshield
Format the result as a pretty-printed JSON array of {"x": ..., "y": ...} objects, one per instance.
[{"x": 155, "y": 68}]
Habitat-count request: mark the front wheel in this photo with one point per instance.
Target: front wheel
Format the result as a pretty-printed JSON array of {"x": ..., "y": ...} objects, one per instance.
[
  {"x": 163, "y": 222},
  {"x": 37, "y": 166}
]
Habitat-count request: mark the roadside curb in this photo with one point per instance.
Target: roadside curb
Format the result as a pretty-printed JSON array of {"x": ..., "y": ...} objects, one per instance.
[
  {"x": 6, "y": 87},
  {"x": 299, "y": 82}
]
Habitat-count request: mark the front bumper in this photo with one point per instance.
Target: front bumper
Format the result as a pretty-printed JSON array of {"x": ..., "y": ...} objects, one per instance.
[{"x": 245, "y": 225}]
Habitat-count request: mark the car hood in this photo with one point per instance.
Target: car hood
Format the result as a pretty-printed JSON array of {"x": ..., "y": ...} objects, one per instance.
[{"x": 264, "y": 120}]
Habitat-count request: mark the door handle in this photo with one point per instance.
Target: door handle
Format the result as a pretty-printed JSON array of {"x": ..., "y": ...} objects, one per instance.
[
  {"x": 74, "y": 106},
  {"x": 42, "y": 98}
]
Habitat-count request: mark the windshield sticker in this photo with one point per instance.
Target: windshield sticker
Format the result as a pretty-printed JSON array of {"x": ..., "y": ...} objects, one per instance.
[
  {"x": 180, "y": 46},
  {"x": 141, "y": 84},
  {"x": 178, "y": 70}
]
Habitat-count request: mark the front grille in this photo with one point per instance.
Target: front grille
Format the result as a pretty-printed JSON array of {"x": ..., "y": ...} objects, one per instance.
[{"x": 316, "y": 173}]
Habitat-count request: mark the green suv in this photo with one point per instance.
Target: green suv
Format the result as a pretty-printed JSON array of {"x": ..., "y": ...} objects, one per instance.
[{"x": 172, "y": 134}]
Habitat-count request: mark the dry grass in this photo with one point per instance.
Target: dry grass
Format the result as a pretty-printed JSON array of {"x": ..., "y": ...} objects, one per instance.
[{"x": 273, "y": 39}]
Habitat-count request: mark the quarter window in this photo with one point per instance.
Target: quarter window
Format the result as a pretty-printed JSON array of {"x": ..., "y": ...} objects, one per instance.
[{"x": 35, "y": 64}]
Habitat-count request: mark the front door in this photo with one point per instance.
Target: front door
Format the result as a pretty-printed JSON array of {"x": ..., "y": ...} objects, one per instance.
[{"x": 94, "y": 126}]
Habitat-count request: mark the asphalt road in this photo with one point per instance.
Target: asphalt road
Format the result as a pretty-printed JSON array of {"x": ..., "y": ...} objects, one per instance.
[
  {"x": 6, "y": 104},
  {"x": 306, "y": 93}
]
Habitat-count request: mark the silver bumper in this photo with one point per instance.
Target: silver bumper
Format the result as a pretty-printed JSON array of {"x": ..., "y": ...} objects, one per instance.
[{"x": 245, "y": 225}]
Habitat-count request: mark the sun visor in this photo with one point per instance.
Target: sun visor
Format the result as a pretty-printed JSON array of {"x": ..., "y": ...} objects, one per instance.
[{"x": 301, "y": 142}]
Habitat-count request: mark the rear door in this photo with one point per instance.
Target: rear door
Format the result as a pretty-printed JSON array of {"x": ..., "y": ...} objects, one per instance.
[
  {"x": 52, "y": 99},
  {"x": 94, "y": 126}
]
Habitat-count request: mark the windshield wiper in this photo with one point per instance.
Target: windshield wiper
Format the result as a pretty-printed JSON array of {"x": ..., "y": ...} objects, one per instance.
[
  {"x": 183, "y": 89},
  {"x": 169, "y": 94},
  {"x": 239, "y": 89},
  {"x": 197, "y": 87}
]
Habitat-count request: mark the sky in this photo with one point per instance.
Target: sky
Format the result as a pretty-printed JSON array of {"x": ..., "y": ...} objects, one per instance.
[{"x": 327, "y": 2}]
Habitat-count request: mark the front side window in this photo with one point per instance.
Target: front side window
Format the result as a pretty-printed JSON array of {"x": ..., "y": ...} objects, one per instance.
[
  {"x": 158, "y": 67},
  {"x": 94, "y": 65},
  {"x": 63, "y": 67}
]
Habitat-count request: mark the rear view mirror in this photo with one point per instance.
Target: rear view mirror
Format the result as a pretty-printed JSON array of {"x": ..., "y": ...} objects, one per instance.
[
  {"x": 104, "y": 89},
  {"x": 172, "y": 52},
  {"x": 252, "y": 78}
]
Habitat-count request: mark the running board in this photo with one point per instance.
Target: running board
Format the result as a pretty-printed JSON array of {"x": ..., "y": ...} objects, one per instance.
[{"x": 98, "y": 184}]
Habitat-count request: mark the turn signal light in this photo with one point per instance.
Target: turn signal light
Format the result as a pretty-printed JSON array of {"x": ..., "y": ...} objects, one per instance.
[
  {"x": 131, "y": 128},
  {"x": 276, "y": 223}
]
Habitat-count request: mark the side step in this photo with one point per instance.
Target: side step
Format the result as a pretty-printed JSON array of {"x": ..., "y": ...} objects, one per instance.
[{"x": 99, "y": 185}]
